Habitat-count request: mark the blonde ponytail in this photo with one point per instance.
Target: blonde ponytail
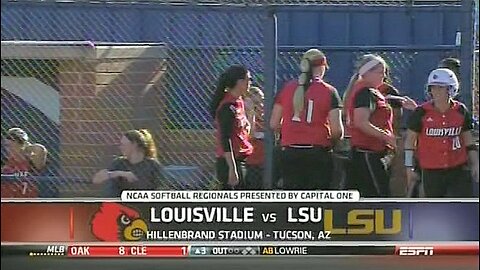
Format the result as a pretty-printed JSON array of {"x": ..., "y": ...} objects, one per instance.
[
  {"x": 304, "y": 80},
  {"x": 149, "y": 144},
  {"x": 299, "y": 95},
  {"x": 352, "y": 81}
]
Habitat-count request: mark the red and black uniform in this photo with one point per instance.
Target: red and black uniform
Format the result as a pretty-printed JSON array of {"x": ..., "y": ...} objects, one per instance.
[
  {"x": 231, "y": 136},
  {"x": 18, "y": 184},
  {"x": 367, "y": 171},
  {"x": 441, "y": 151},
  {"x": 306, "y": 144}
]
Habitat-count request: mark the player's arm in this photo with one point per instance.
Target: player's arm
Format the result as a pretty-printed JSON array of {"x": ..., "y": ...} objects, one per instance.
[
  {"x": 472, "y": 148},
  {"x": 396, "y": 106},
  {"x": 361, "y": 118},
  {"x": 226, "y": 118},
  {"x": 410, "y": 145},
  {"x": 410, "y": 148},
  {"x": 107, "y": 174},
  {"x": 277, "y": 112},
  {"x": 469, "y": 142},
  {"x": 335, "y": 116}
]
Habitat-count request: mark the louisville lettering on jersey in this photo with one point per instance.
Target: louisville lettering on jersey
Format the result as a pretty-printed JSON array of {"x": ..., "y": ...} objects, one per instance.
[{"x": 443, "y": 132}]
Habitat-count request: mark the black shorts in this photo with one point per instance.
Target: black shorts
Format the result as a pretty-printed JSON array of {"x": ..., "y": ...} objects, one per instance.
[
  {"x": 222, "y": 173},
  {"x": 306, "y": 168},
  {"x": 367, "y": 173},
  {"x": 454, "y": 183}
]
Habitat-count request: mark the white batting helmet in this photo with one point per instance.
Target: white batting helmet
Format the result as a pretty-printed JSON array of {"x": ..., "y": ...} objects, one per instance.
[{"x": 444, "y": 77}]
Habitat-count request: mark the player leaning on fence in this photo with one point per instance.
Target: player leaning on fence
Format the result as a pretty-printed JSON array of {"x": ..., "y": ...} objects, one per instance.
[
  {"x": 439, "y": 133},
  {"x": 24, "y": 159},
  {"x": 137, "y": 168},
  {"x": 369, "y": 122},
  {"x": 231, "y": 126},
  {"x": 307, "y": 111}
]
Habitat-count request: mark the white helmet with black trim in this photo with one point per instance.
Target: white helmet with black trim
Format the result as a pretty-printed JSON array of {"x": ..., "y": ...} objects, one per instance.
[{"x": 443, "y": 77}]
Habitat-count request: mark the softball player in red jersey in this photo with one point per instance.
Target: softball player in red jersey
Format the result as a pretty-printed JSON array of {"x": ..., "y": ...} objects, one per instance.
[
  {"x": 232, "y": 126},
  {"x": 439, "y": 135},
  {"x": 369, "y": 123},
  {"x": 310, "y": 109},
  {"x": 24, "y": 161}
]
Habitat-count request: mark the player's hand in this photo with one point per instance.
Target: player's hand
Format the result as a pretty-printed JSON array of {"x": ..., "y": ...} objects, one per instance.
[
  {"x": 233, "y": 178},
  {"x": 409, "y": 103},
  {"x": 128, "y": 175},
  {"x": 390, "y": 139}
]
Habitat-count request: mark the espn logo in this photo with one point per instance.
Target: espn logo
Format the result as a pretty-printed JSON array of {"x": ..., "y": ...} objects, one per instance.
[{"x": 415, "y": 251}]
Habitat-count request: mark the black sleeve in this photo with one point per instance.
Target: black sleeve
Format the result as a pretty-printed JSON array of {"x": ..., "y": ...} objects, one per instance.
[
  {"x": 415, "y": 120},
  {"x": 363, "y": 99},
  {"x": 391, "y": 90},
  {"x": 336, "y": 100},
  {"x": 468, "y": 122},
  {"x": 226, "y": 118}
]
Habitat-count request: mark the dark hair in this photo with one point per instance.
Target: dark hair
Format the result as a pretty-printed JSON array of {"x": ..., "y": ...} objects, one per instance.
[
  {"x": 451, "y": 63},
  {"x": 144, "y": 140},
  {"x": 228, "y": 79}
]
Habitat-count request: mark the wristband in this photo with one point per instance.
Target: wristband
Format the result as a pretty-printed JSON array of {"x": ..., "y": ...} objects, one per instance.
[{"x": 409, "y": 160}]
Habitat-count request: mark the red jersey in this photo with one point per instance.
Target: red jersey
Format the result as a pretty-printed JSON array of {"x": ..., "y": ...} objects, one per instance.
[
  {"x": 314, "y": 126},
  {"x": 230, "y": 109},
  {"x": 381, "y": 116},
  {"x": 21, "y": 186},
  {"x": 440, "y": 144}
]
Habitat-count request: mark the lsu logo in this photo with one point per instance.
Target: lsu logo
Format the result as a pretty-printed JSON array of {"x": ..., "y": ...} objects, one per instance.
[{"x": 115, "y": 222}]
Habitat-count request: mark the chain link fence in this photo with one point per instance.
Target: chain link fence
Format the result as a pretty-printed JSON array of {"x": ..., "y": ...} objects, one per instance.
[{"x": 77, "y": 75}]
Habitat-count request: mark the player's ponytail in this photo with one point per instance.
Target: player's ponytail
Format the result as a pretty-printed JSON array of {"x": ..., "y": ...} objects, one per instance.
[
  {"x": 226, "y": 81},
  {"x": 310, "y": 59},
  {"x": 349, "y": 88},
  {"x": 148, "y": 144},
  {"x": 219, "y": 94}
]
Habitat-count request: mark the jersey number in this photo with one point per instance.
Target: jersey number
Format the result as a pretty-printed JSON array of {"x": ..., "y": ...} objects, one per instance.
[
  {"x": 24, "y": 188},
  {"x": 309, "y": 116},
  {"x": 456, "y": 143}
]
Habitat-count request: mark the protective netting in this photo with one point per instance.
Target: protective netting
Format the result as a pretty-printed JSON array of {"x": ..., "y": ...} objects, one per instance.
[{"x": 78, "y": 98}]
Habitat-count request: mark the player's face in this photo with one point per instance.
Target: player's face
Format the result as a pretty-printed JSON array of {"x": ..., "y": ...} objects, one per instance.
[
  {"x": 319, "y": 71},
  {"x": 439, "y": 92},
  {"x": 126, "y": 146},
  {"x": 245, "y": 83},
  {"x": 375, "y": 76}
]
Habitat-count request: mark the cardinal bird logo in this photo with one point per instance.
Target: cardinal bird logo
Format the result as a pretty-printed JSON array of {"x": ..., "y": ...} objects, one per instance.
[{"x": 115, "y": 222}]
